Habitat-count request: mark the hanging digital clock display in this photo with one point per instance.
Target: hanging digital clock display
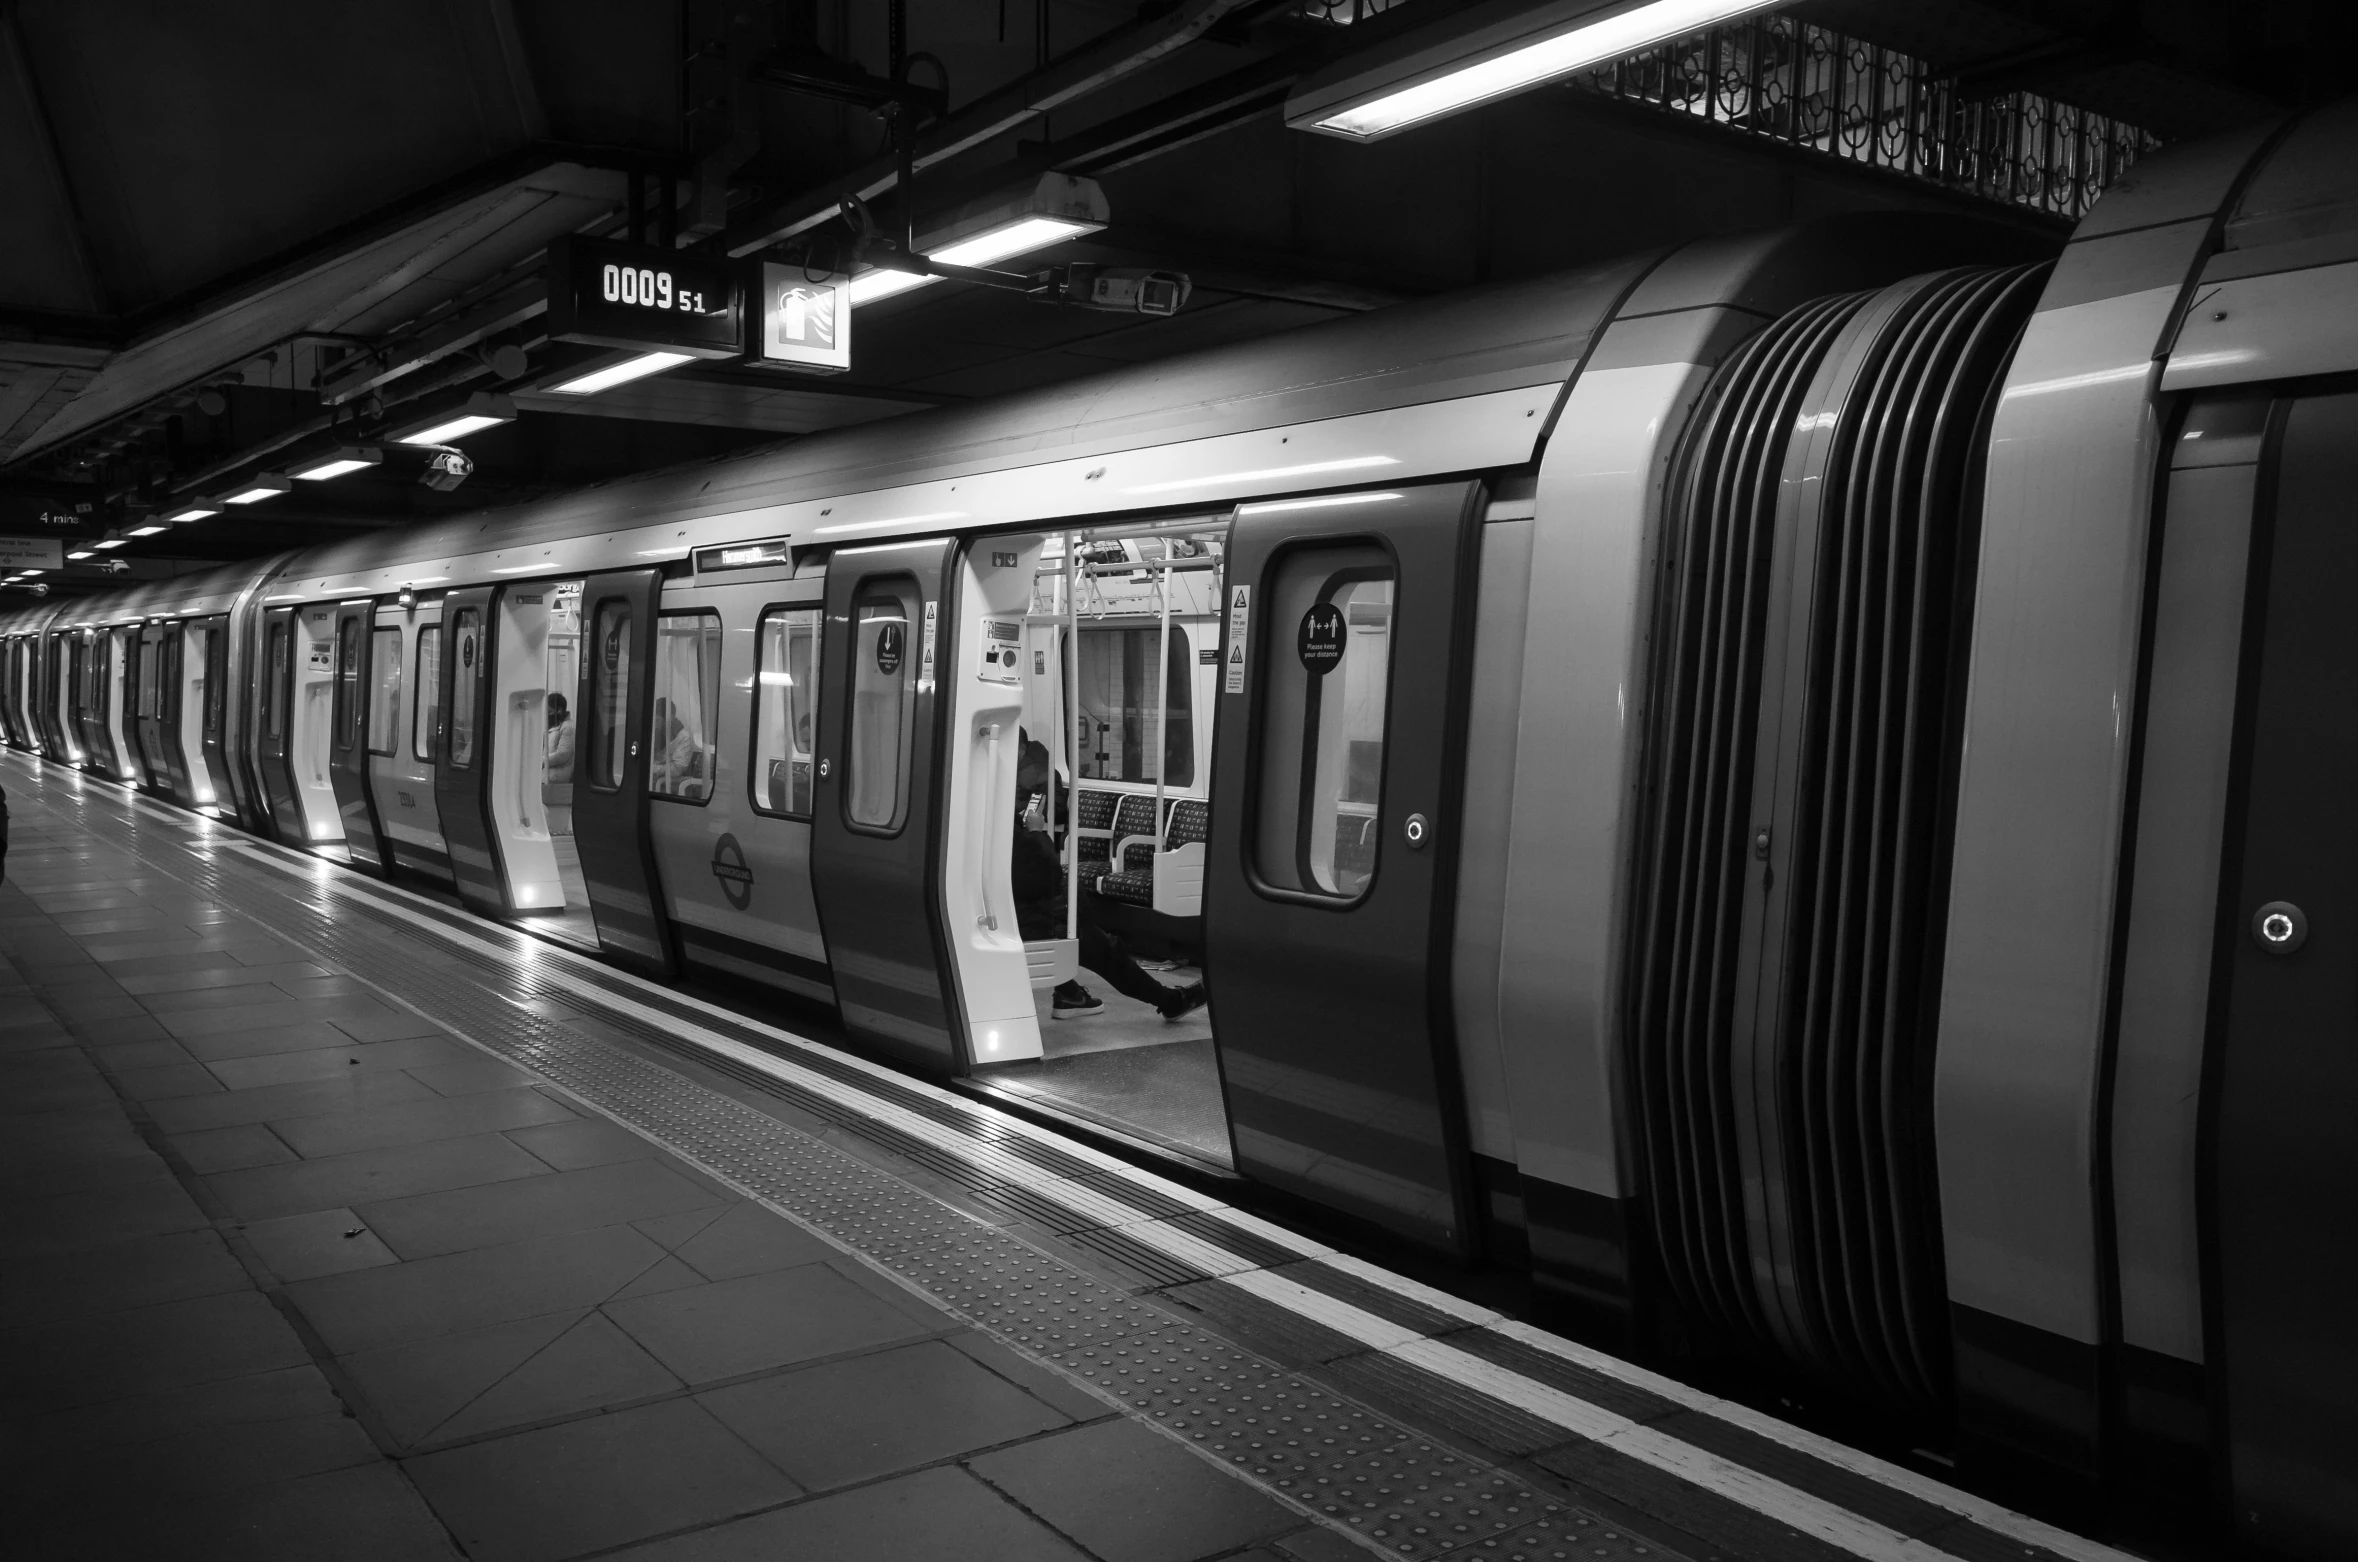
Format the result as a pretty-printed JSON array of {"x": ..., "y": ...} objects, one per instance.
[{"x": 642, "y": 296}]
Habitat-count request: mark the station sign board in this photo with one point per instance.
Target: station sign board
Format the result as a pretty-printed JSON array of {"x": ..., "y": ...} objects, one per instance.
[
  {"x": 32, "y": 553},
  {"x": 645, "y": 298},
  {"x": 806, "y": 318}
]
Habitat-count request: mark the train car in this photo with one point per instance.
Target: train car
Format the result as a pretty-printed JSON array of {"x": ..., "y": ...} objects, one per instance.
[{"x": 1784, "y": 787}]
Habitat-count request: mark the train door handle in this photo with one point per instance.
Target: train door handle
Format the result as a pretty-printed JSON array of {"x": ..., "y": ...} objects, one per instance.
[{"x": 2280, "y": 927}]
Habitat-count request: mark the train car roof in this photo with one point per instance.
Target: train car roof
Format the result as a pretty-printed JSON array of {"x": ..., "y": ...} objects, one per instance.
[{"x": 1504, "y": 337}]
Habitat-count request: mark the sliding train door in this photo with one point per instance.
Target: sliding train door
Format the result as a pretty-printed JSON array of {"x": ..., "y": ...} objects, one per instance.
[
  {"x": 274, "y": 741},
  {"x": 404, "y": 724},
  {"x": 348, "y": 730},
  {"x": 730, "y": 799},
  {"x": 462, "y": 769},
  {"x": 2282, "y": 1162},
  {"x": 204, "y": 696},
  {"x": 875, "y": 825},
  {"x": 612, "y": 768},
  {"x": 1328, "y": 885}
]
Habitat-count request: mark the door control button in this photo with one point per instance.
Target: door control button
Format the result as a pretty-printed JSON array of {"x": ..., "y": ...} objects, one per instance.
[
  {"x": 2280, "y": 927},
  {"x": 1418, "y": 829}
]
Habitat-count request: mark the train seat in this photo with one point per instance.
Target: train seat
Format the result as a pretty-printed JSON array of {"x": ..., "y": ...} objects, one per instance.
[
  {"x": 1168, "y": 876},
  {"x": 1093, "y": 823}
]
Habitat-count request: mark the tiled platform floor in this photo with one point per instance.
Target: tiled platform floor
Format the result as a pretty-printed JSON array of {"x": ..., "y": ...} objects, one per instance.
[{"x": 287, "y": 1272}]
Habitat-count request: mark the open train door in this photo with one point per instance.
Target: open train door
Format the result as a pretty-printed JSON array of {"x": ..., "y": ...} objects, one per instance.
[
  {"x": 611, "y": 828},
  {"x": 1333, "y": 864},
  {"x": 462, "y": 761},
  {"x": 348, "y": 728},
  {"x": 274, "y": 725},
  {"x": 875, "y": 815}
]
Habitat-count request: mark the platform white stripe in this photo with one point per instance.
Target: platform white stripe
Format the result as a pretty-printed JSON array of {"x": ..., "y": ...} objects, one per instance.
[{"x": 1803, "y": 1511}]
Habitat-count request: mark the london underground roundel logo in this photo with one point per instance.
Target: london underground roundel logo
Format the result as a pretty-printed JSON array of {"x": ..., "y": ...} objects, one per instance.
[{"x": 728, "y": 866}]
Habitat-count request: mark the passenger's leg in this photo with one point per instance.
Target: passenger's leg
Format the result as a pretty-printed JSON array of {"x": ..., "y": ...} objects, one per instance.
[{"x": 1101, "y": 954}]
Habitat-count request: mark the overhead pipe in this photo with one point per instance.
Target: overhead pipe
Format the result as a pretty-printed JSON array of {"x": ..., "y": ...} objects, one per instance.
[{"x": 1085, "y": 72}]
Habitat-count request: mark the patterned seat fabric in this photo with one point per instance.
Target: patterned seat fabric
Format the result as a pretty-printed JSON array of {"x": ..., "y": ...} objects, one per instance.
[
  {"x": 1191, "y": 823},
  {"x": 1094, "y": 811},
  {"x": 1136, "y": 888}
]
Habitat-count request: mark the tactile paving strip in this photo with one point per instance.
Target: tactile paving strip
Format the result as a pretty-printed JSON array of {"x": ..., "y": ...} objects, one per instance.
[{"x": 1394, "y": 1488}]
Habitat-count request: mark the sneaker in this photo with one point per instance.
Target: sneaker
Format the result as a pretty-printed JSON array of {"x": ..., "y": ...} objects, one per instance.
[
  {"x": 1072, "y": 1001},
  {"x": 1183, "y": 1001}
]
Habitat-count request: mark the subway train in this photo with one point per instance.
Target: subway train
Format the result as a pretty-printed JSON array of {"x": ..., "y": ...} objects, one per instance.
[{"x": 1794, "y": 788}]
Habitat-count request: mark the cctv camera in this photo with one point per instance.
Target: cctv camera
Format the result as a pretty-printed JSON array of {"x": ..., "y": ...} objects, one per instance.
[
  {"x": 117, "y": 566},
  {"x": 446, "y": 469}
]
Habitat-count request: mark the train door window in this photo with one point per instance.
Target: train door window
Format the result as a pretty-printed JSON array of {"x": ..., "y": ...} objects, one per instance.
[
  {"x": 200, "y": 656},
  {"x": 682, "y": 744},
  {"x": 384, "y": 705},
  {"x": 883, "y": 713},
  {"x": 785, "y": 710},
  {"x": 1118, "y": 710},
  {"x": 347, "y": 705},
  {"x": 466, "y": 643},
  {"x": 274, "y": 698},
  {"x": 429, "y": 685},
  {"x": 165, "y": 702},
  {"x": 149, "y": 682},
  {"x": 1328, "y": 675},
  {"x": 610, "y": 702}
]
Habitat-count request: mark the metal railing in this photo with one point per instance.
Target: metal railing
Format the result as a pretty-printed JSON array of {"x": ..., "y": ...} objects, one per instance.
[
  {"x": 1820, "y": 90},
  {"x": 1811, "y": 87}
]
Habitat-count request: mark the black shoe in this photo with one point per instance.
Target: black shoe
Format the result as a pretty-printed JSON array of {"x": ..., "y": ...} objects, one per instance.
[
  {"x": 1072, "y": 1001},
  {"x": 1183, "y": 1001}
]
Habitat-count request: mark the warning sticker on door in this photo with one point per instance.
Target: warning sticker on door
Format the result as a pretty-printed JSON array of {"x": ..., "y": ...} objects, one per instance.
[
  {"x": 925, "y": 655},
  {"x": 1240, "y": 613}
]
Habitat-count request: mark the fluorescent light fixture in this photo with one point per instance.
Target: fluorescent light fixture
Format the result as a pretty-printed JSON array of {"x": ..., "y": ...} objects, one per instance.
[
  {"x": 1267, "y": 473},
  {"x": 108, "y": 542},
  {"x": 983, "y": 233},
  {"x": 898, "y": 520},
  {"x": 482, "y": 410},
  {"x": 336, "y": 463},
  {"x": 146, "y": 531},
  {"x": 28, "y": 574},
  {"x": 1323, "y": 502},
  {"x": 195, "y": 512},
  {"x": 621, "y": 373},
  {"x": 268, "y": 486},
  {"x": 1489, "y": 53},
  {"x": 79, "y": 553}
]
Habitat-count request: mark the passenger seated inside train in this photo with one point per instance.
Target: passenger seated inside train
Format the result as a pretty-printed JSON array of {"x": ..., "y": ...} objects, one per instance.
[
  {"x": 679, "y": 757},
  {"x": 1039, "y": 885}
]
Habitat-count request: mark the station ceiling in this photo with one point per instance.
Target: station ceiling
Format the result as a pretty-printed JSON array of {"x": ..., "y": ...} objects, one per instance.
[{"x": 241, "y": 231}]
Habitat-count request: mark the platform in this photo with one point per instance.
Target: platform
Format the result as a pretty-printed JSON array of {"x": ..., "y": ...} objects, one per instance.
[{"x": 341, "y": 1224}]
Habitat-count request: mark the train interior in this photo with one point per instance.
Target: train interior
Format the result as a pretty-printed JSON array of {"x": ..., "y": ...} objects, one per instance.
[{"x": 1118, "y": 659}]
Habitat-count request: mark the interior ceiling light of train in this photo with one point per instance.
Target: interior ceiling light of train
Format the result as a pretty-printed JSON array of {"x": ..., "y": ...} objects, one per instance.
[{"x": 237, "y": 315}]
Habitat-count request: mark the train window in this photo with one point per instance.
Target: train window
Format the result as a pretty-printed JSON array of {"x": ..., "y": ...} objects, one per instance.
[
  {"x": 1117, "y": 705},
  {"x": 384, "y": 702},
  {"x": 466, "y": 683},
  {"x": 148, "y": 679},
  {"x": 1328, "y": 671},
  {"x": 347, "y": 704},
  {"x": 683, "y": 739},
  {"x": 429, "y": 700},
  {"x": 167, "y": 695},
  {"x": 200, "y": 683},
  {"x": 785, "y": 710},
  {"x": 609, "y": 744},
  {"x": 883, "y": 712},
  {"x": 274, "y": 697}
]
